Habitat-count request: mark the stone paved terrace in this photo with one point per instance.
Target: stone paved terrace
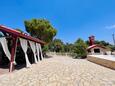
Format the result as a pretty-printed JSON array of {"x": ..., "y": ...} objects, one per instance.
[{"x": 61, "y": 71}]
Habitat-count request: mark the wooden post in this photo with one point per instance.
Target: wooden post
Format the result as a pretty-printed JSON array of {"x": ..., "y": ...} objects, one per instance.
[{"x": 13, "y": 54}]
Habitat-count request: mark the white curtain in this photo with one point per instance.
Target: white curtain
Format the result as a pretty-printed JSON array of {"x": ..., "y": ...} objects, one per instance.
[
  {"x": 24, "y": 45},
  {"x": 37, "y": 48},
  {"x": 5, "y": 47},
  {"x": 3, "y": 42},
  {"x": 40, "y": 51},
  {"x": 33, "y": 47}
]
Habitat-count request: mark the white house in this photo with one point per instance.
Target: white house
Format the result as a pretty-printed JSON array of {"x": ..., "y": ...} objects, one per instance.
[{"x": 95, "y": 49}]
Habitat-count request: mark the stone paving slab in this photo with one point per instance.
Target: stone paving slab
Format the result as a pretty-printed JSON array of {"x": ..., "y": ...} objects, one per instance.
[{"x": 61, "y": 71}]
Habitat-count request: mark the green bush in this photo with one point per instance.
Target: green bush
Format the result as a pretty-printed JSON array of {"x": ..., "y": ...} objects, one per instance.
[{"x": 80, "y": 49}]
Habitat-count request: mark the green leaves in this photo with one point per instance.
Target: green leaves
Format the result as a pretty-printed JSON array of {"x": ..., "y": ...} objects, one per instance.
[
  {"x": 80, "y": 48},
  {"x": 56, "y": 45},
  {"x": 40, "y": 28}
]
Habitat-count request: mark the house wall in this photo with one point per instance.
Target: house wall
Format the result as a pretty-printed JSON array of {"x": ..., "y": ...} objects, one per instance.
[{"x": 102, "y": 51}]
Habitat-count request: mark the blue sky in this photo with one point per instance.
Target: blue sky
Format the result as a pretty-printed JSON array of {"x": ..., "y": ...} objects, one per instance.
[{"x": 72, "y": 18}]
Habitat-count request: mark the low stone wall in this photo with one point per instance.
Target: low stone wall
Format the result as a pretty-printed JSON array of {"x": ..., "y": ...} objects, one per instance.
[
  {"x": 61, "y": 54},
  {"x": 102, "y": 61}
]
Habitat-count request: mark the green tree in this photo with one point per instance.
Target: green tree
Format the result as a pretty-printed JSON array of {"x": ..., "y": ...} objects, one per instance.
[
  {"x": 56, "y": 45},
  {"x": 80, "y": 48},
  {"x": 40, "y": 28},
  {"x": 87, "y": 42},
  {"x": 68, "y": 47},
  {"x": 103, "y": 43}
]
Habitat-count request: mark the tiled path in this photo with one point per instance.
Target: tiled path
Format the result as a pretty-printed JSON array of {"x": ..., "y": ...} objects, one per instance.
[{"x": 61, "y": 71}]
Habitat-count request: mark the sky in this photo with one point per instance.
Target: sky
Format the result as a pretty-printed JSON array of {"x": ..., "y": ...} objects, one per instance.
[{"x": 73, "y": 19}]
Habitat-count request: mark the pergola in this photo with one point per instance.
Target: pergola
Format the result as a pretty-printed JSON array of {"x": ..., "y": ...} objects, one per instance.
[{"x": 35, "y": 45}]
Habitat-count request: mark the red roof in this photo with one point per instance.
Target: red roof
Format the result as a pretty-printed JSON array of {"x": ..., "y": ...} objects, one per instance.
[
  {"x": 18, "y": 34},
  {"x": 93, "y": 46}
]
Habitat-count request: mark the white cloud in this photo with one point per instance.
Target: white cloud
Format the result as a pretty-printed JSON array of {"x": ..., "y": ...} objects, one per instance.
[{"x": 110, "y": 27}]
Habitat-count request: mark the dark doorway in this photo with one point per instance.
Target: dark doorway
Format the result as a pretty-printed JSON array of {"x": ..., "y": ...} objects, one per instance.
[{"x": 96, "y": 50}]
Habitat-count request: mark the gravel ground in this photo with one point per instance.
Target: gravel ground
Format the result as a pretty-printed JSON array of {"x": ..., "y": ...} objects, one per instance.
[{"x": 60, "y": 71}]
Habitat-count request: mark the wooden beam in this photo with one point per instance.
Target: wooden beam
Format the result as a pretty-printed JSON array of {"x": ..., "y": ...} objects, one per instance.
[
  {"x": 13, "y": 50},
  {"x": 18, "y": 34}
]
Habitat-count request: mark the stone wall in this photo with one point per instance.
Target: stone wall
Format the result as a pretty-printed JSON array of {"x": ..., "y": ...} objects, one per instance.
[{"x": 101, "y": 61}]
